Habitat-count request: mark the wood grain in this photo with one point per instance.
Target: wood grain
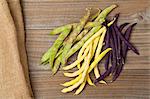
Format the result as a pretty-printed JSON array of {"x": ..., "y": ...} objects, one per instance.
[
  {"x": 43, "y": 15},
  {"x": 47, "y": 15},
  {"x": 128, "y": 86}
]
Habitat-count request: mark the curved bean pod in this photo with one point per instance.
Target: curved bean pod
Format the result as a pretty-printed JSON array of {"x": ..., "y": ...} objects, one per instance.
[
  {"x": 92, "y": 24},
  {"x": 93, "y": 17},
  {"x": 99, "y": 48},
  {"x": 56, "y": 45},
  {"x": 77, "y": 61},
  {"x": 65, "y": 90},
  {"x": 72, "y": 82},
  {"x": 56, "y": 65},
  {"x": 60, "y": 29},
  {"x": 94, "y": 63},
  {"x": 73, "y": 35},
  {"x": 79, "y": 90}
]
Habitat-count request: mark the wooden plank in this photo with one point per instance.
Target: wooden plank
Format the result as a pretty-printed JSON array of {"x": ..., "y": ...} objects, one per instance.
[
  {"x": 68, "y": 1},
  {"x": 132, "y": 84},
  {"x": 48, "y": 15},
  {"x": 43, "y": 15}
]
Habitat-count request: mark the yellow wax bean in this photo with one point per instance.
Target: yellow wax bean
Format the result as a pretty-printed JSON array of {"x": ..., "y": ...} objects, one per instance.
[
  {"x": 68, "y": 89},
  {"x": 76, "y": 72},
  {"x": 76, "y": 62},
  {"x": 90, "y": 81},
  {"x": 69, "y": 83},
  {"x": 90, "y": 57},
  {"x": 87, "y": 75},
  {"x": 95, "y": 44},
  {"x": 101, "y": 40},
  {"x": 95, "y": 62},
  {"x": 80, "y": 88},
  {"x": 79, "y": 65},
  {"x": 90, "y": 40}
]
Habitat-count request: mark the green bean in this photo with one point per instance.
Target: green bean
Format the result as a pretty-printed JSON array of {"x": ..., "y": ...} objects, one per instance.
[
  {"x": 59, "y": 52},
  {"x": 85, "y": 31},
  {"x": 92, "y": 24},
  {"x": 61, "y": 49},
  {"x": 105, "y": 12},
  {"x": 56, "y": 64},
  {"x": 75, "y": 25},
  {"x": 46, "y": 62},
  {"x": 81, "y": 35},
  {"x": 56, "y": 45},
  {"x": 93, "y": 17},
  {"x": 100, "y": 18},
  {"x": 85, "y": 18},
  {"x": 73, "y": 35},
  {"x": 45, "y": 57},
  {"x": 60, "y": 29}
]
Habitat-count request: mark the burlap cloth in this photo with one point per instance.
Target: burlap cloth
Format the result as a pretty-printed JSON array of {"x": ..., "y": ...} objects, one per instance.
[{"x": 14, "y": 75}]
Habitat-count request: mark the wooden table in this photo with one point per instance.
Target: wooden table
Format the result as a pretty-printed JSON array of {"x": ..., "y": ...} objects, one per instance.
[{"x": 43, "y": 15}]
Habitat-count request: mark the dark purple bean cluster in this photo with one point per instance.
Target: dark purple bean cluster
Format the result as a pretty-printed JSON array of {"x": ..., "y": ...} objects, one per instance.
[{"x": 120, "y": 44}]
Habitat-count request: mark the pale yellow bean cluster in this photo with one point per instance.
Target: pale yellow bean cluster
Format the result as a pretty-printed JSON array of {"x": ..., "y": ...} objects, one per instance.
[{"x": 91, "y": 49}]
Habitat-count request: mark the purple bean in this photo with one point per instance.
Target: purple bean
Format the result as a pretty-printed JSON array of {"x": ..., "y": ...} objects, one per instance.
[
  {"x": 114, "y": 36},
  {"x": 107, "y": 61},
  {"x": 120, "y": 45},
  {"x": 120, "y": 68},
  {"x": 120, "y": 63},
  {"x": 127, "y": 36},
  {"x": 118, "y": 72},
  {"x": 119, "y": 59},
  {"x": 107, "y": 44},
  {"x": 122, "y": 26},
  {"x": 113, "y": 57},
  {"x": 119, "y": 56},
  {"x": 126, "y": 41},
  {"x": 107, "y": 39},
  {"x": 118, "y": 42}
]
